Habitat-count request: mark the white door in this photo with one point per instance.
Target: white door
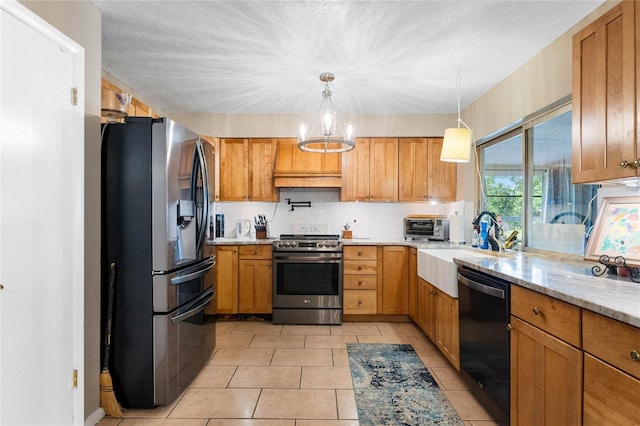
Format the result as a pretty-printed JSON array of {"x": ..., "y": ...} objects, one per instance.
[{"x": 41, "y": 222}]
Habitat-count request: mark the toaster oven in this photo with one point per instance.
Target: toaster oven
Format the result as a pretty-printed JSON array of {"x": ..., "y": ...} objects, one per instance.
[{"x": 429, "y": 228}]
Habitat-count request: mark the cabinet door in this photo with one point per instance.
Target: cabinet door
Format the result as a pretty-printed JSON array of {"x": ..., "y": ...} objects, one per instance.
[
  {"x": 448, "y": 327},
  {"x": 383, "y": 169},
  {"x": 413, "y": 283},
  {"x": 355, "y": 172},
  {"x": 426, "y": 308},
  {"x": 604, "y": 97},
  {"x": 441, "y": 176},
  {"x": 211, "y": 147},
  {"x": 262, "y": 158},
  {"x": 227, "y": 279},
  {"x": 395, "y": 273},
  {"x": 255, "y": 289},
  {"x": 546, "y": 378},
  {"x": 610, "y": 396},
  {"x": 234, "y": 175},
  {"x": 413, "y": 177}
]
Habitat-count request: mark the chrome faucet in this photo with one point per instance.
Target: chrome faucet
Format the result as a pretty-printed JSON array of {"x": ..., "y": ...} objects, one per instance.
[{"x": 493, "y": 242}]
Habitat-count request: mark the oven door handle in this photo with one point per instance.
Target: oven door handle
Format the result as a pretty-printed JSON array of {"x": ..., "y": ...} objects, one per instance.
[
  {"x": 315, "y": 259},
  {"x": 491, "y": 291}
]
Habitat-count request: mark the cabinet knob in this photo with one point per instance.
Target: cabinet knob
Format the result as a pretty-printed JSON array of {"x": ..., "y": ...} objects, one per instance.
[
  {"x": 536, "y": 311},
  {"x": 624, "y": 164},
  {"x": 509, "y": 328},
  {"x": 636, "y": 162},
  {"x": 635, "y": 355},
  {"x": 360, "y": 268},
  {"x": 359, "y": 282},
  {"x": 359, "y": 302}
]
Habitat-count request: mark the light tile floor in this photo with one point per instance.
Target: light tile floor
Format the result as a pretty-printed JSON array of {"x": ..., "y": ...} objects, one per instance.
[{"x": 263, "y": 374}]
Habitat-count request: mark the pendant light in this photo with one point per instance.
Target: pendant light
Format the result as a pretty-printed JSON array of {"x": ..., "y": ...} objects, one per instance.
[
  {"x": 456, "y": 147},
  {"x": 328, "y": 119}
]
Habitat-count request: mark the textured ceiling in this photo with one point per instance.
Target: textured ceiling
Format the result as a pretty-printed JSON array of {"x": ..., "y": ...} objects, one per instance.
[{"x": 397, "y": 57}]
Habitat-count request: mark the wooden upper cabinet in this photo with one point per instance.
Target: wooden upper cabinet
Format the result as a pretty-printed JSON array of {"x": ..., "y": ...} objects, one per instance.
[
  {"x": 262, "y": 158},
  {"x": 314, "y": 168},
  {"x": 422, "y": 176},
  {"x": 371, "y": 171},
  {"x": 355, "y": 172},
  {"x": 604, "y": 97},
  {"x": 246, "y": 169},
  {"x": 383, "y": 169},
  {"x": 234, "y": 169}
]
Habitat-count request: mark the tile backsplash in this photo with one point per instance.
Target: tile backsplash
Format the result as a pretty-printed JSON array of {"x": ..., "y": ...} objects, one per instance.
[{"x": 327, "y": 215}]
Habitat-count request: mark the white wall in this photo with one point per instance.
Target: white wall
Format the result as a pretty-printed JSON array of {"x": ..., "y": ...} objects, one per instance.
[{"x": 81, "y": 21}]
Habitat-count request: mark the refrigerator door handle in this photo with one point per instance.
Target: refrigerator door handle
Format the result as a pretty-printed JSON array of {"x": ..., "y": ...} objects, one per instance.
[
  {"x": 200, "y": 163},
  {"x": 194, "y": 307},
  {"x": 194, "y": 272}
]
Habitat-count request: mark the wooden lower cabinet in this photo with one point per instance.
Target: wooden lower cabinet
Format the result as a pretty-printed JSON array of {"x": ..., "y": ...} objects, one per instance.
[
  {"x": 361, "y": 278},
  {"x": 610, "y": 395},
  {"x": 546, "y": 378},
  {"x": 226, "y": 280},
  {"x": 413, "y": 284},
  {"x": 395, "y": 275},
  {"x": 255, "y": 279},
  {"x": 448, "y": 327},
  {"x": 437, "y": 316},
  {"x": 426, "y": 308}
]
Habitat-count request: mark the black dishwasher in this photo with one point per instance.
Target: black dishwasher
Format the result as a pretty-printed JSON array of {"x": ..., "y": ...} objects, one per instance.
[{"x": 484, "y": 303}]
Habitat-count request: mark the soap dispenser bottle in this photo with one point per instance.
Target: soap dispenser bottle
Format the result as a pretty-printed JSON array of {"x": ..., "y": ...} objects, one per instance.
[{"x": 483, "y": 243}]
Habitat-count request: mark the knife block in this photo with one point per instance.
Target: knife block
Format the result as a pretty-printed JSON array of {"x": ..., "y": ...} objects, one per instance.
[
  {"x": 261, "y": 235},
  {"x": 347, "y": 234}
]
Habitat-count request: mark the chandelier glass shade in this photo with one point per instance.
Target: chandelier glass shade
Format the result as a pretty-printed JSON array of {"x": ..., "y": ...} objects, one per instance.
[
  {"x": 457, "y": 143},
  {"x": 327, "y": 118}
]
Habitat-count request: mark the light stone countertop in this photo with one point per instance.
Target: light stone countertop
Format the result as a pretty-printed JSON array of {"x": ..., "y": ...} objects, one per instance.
[{"x": 565, "y": 279}]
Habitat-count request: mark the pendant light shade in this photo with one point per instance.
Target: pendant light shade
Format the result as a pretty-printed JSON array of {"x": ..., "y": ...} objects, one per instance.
[{"x": 456, "y": 146}]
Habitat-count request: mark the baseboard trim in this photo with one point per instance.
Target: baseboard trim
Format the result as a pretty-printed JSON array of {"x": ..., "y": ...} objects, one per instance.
[{"x": 95, "y": 417}]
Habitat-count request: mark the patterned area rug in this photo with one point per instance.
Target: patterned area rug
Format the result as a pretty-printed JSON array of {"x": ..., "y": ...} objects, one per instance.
[{"x": 393, "y": 387}]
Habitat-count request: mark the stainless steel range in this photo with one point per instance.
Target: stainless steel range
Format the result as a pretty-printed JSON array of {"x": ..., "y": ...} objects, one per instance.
[{"x": 307, "y": 279}]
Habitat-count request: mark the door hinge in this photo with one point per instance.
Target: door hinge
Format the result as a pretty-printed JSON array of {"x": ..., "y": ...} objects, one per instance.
[
  {"x": 74, "y": 92},
  {"x": 75, "y": 379}
]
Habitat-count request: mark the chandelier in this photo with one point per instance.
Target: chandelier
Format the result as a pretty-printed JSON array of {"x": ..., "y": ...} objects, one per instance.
[
  {"x": 456, "y": 146},
  {"x": 328, "y": 119}
]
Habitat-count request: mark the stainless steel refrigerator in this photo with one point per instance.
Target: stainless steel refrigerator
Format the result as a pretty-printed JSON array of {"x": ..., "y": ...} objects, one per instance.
[{"x": 155, "y": 204}]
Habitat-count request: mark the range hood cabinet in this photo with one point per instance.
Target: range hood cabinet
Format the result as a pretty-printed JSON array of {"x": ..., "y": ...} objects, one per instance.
[{"x": 299, "y": 169}]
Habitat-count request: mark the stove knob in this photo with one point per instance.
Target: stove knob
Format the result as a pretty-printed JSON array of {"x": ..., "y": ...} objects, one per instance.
[
  {"x": 287, "y": 244},
  {"x": 320, "y": 244},
  {"x": 294, "y": 244},
  {"x": 279, "y": 244},
  {"x": 334, "y": 244}
]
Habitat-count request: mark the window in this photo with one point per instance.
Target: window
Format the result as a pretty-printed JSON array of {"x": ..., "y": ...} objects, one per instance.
[{"x": 526, "y": 177}]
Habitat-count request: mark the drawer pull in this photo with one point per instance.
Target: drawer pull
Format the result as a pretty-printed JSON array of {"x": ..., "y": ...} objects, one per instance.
[
  {"x": 536, "y": 311},
  {"x": 360, "y": 283},
  {"x": 359, "y": 268},
  {"x": 359, "y": 253},
  {"x": 359, "y": 302},
  {"x": 635, "y": 355}
]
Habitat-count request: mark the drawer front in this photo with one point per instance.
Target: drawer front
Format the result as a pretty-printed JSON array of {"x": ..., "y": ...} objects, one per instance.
[
  {"x": 360, "y": 302},
  {"x": 554, "y": 316},
  {"x": 360, "y": 252},
  {"x": 258, "y": 251},
  {"x": 360, "y": 267},
  {"x": 612, "y": 341},
  {"x": 360, "y": 282},
  {"x": 611, "y": 397}
]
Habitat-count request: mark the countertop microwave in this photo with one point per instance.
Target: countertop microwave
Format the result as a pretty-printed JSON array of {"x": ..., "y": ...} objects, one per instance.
[{"x": 430, "y": 228}]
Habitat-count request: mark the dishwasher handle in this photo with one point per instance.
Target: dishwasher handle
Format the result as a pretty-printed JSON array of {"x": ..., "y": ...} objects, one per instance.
[{"x": 482, "y": 288}]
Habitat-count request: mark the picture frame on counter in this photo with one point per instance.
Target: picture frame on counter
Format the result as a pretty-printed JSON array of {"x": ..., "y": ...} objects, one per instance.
[{"x": 616, "y": 232}]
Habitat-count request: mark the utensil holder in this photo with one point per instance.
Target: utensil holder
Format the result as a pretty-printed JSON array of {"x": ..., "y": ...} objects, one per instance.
[{"x": 261, "y": 235}]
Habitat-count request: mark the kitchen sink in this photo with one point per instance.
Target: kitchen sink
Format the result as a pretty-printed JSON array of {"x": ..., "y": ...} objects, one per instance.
[{"x": 437, "y": 267}]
